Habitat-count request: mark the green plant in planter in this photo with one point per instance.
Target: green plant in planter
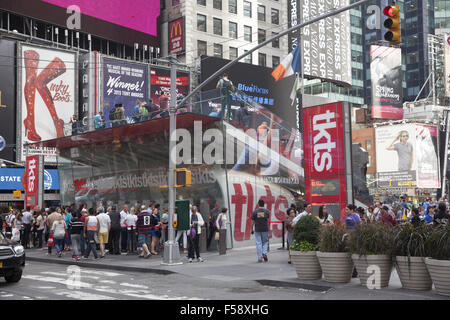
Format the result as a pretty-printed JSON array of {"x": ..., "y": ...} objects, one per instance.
[
  {"x": 333, "y": 239},
  {"x": 306, "y": 234},
  {"x": 410, "y": 240},
  {"x": 437, "y": 245},
  {"x": 371, "y": 239}
]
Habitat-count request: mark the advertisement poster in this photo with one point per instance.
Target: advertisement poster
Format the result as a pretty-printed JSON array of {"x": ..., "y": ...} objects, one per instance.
[
  {"x": 326, "y": 45},
  {"x": 176, "y": 36},
  {"x": 31, "y": 190},
  {"x": 124, "y": 83},
  {"x": 386, "y": 76},
  {"x": 397, "y": 158},
  {"x": 427, "y": 156},
  {"x": 7, "y": 98},
  {"x": 47, "y": 95},
  {"x": 160, "y": 87},
  {"x": 447, "y": 63}
]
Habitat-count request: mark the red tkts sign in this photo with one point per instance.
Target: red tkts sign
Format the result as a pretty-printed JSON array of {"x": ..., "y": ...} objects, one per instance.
[
  {"x": 176, "y": 36},
  {"x": 31, "y": 191},
  {"x": 325, "y": 156}
]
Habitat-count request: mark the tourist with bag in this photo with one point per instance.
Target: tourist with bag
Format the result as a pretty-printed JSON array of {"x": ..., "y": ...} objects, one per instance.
[
  {"x": 196, "y": 223},
  {"x": 155, "y": 223},
  {"x": 221, "y": 235},
  {"x": 91, "y": 228},
  {"x": 59, "y": 233}
]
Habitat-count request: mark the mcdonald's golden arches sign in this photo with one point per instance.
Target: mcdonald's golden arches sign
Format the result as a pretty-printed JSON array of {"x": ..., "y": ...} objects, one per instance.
[{"x": 176, "y": 36}]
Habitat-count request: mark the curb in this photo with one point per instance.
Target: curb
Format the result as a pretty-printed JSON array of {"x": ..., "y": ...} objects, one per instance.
[{"x": 102, "y": 266}]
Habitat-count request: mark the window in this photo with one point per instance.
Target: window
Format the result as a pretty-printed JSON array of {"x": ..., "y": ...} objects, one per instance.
[
  {"x": 233, "y": 30},
  {"x": 368, "y": 144},
  {"x": 275, "y": 61},
  {"x": 217, "y": 4},
  {"x": 233, "y": 53},
  {"x": 248, "y": 33},
  {"x": 261, "y": 35},
  {"x": 201, "y": 48},
  {"x": 275, "y": 43},
  {"x": 247, "y": 9},
  {"x": 261, "y": 13},
  {"x": 247, "y": 59},
  {"x": 201, "y": 2},
  {"x": 275, "y": 16},
  {"x": 201, "y": 22},
  {"x": 262, "y": 59},
  {"x": 218, "y": 50},
  {"x": 217, "y": 26},
  {"x": 232, "y": 6}
]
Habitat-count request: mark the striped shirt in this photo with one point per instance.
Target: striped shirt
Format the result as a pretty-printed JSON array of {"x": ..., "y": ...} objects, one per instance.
[
  {"x": 77, "y": 226},
  {"x": 143, "y": 222}
]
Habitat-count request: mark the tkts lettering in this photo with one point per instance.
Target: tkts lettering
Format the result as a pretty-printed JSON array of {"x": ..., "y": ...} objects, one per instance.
[{"x": 39, "y": 82}]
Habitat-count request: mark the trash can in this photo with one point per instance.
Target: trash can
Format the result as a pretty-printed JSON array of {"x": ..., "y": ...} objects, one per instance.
[{"x": 222, "y": 241}]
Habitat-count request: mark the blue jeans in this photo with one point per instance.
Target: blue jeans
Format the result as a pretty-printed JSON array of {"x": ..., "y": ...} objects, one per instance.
[
  {"x": 58, "y": 245},
  {"x": 123, "y": 239},
  {"x": 262, "y": 243},
  {"x": 82, "y": 243},
  {"x": 91, "y": 244}
]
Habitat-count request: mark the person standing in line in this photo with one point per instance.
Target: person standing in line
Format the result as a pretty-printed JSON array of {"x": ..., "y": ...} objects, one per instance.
[
  {"x": 195, "y": 222},
  {"x": 40, "y": 225},
  {"x": 10, "y": 221},
  {"x": 377, "y": 211},
  {"x": 104, "y": 229},
  {"x": 131, "y": 229},
  {"x": 59, "y": 232},
  {"x": 50, "y": 220},
  {"x": 67, "y": 240},
  {"x": 26, "y": 220},
  {"x": 156, "y": 229},
  {"x": 91, "y": 227},
  {"x": 260, "y": 228},
  {"x": 18, "y": 224},
  {"x": 324, "y": 217},
  {"x": 290, "y": 229},
  {"x": 222, "y": 223},
  {"x": 114, "y": 233},
  {"x": 77, "y": 227},
  {"x": 212, "y": 222},
  {"x": 123, "y": 228},
  {"x": 143, "y": 225}
]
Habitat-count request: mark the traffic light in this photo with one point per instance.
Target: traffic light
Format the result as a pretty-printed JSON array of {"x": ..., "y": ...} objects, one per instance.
[
  {"x": 393, "y": 23},
  {"x": 182, "y": 178}
]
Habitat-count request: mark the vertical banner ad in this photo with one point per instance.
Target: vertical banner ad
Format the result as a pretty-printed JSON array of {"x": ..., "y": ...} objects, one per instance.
[
  {"x": 325, "y": 168},
  {"x": 386, "y": 76},
  {"x": 447, "y": 64},
  {"x": 428, "y": 173},
  {"x": 293, "y": 19},
  {"x": 176, "y": 36},
  {"x": 47, "y": 96},
  {"x": 89, "y": 72},
  {"x": 396, "y": 152},
  {"x": 7, "y": 98},
  {"x": 32, "y": 183},
  {"x": 124, "y": 83},
  {"x": 325, "y": 45},
  {"x": 160, "y": 87}
]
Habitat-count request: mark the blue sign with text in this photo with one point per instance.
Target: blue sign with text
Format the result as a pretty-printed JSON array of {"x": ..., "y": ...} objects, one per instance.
[{"x": 11, "y": 179}]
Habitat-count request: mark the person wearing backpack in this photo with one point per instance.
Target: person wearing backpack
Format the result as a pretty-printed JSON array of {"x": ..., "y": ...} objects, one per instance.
[
  {"x": 226, "y": 91},
  {"x": 59, "y": 232}
]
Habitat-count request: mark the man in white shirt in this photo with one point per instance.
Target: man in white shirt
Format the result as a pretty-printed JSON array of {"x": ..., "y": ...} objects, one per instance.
[
  {"x": 308, "y": 211},
  {"x": 27, "y": 217},
  {"x": 105, "y": 227},
  {"x": 377, "y": 211},
  {"x": 123, "y": 229}
]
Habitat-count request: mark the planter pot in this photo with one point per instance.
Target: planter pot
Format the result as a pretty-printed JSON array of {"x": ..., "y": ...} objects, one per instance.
[
  {"x": 439, "y": 272},
  {"x": 306, "y": 265},
  {"x": 413, "y": 274},
  {"x": 383, "y": 261},
  {"x": 337, "y": 267}
]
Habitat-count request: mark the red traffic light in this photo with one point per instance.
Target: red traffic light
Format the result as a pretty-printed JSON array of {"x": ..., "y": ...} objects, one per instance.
[{"x": 389, "y": 11}]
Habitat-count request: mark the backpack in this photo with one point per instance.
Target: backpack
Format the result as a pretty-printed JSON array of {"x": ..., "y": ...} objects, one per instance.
[
  {"x": 144, "y": 111},
  {"x": 227, "y": 86},
  {"x": 112, "y": 114}
]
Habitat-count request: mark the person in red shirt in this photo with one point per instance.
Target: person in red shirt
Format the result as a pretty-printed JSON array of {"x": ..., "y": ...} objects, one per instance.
[{"x": 387, "y": 218}]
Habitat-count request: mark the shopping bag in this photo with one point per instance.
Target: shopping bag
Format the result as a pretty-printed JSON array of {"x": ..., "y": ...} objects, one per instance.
[
  {"x": 15, "y": 234},
  {"x": 217, "y": 236},
  {"x": 50, "y": 242}
]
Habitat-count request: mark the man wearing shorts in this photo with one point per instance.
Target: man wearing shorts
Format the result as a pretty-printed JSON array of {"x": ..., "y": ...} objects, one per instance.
[
  {"x": 105, "y": 227},
  {"x": 145, "y": 231}
]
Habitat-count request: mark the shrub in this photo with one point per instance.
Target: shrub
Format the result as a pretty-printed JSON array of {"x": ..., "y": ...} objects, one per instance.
[
  {"x": 437, "y": 245},
  {"x": 303, "y": 246},
  {"x": 410, "y": 240},
  {"x": 307, "y": 229},
  {"x": 332, "y": 239},
  {"x": 371, "y": 239}
]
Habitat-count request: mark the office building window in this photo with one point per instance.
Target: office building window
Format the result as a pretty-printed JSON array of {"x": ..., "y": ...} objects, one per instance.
[
  {"x": 218, "y": 51},
  {"x": 275, "y": 61},
  {"x": 261, "y": 13},
  {"x": 201, "y": 2},
  {"x": 275, "y": 43},
  {"x": 261, "y": 35},
  {"x": 248, "y": 33},
  {"x": 201, "y": 22},
  {"x": 217, "y": 26},
  {"x": 217, "y": 4},
  {"x": 233, "y": 53},
  {"x": 248, "y": 59},
  {"x": 247, "y": 9},
  {"x": 201, "y": 48},
  {"x": 262, "y": 59},
  {"x": 275, "y": 16},
  {"x": 232, "y": 6},
  {"x": 233, "y": 30}
]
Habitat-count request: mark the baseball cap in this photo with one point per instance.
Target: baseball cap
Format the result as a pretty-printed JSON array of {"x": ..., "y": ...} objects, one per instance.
[{"x": 386, "y": 208}]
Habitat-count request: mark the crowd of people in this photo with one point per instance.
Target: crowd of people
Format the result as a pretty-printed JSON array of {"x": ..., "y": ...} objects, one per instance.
[{"x": 139, "y": 231}]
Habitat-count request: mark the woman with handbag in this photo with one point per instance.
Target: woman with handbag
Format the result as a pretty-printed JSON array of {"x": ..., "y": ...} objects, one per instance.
[
  {"x": 155, "y": 223},
  {"x": 59, "y": 232},
  {"x": 221, "y": 234},
  {"x": 196, "y": 223}
]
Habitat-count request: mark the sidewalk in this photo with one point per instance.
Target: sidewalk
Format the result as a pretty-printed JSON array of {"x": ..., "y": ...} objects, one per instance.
[{"x": 240, "y": 264}]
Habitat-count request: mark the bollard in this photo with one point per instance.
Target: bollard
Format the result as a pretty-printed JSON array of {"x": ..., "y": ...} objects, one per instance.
[{"x": 222, "y": 241}]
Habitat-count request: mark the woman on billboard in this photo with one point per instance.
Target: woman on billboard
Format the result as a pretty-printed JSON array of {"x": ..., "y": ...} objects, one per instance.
[{"x": 404, "y": 150}]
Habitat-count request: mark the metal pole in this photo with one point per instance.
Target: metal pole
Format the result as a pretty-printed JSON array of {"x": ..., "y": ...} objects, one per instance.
[
  {"x": 444, "y": 170},
  {"x": 287, "y": 31},
  {"x": 171, "y": 250}
]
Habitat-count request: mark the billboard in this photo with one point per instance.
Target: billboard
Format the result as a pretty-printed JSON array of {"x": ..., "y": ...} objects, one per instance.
[
  {"x": 11, "y": 179},
  {"x": 176, "y": 36},
  {"x": 7, "y": 98},
  {"x": 325, "y": 165},
  {"x": 447, "y": 64},
  {"x": 160, "y": 86},
  {"x": 47, "y": 95},
  {"x": 386, "y": 77},
  {"x": 123, "y": 82},
  {"x": 326, "y": 45},
  {"x": 428, "y": 175},
  {"x": 89, "y": 74},
  {"x": 122, "y": 21}
]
